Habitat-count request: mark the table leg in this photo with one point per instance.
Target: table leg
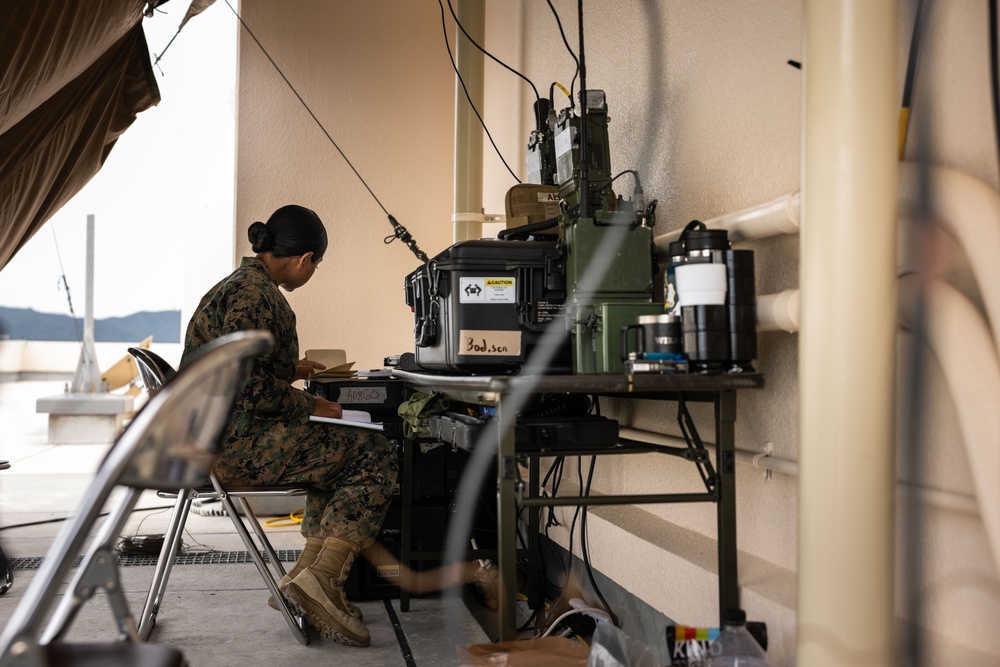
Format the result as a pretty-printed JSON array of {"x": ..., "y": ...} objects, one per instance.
[
  {"x": 536, "y": 587},
  {"x": 725, "y": 451},
  {"x": 406, "y": 490},
  {"x": 506, "y": 526}
]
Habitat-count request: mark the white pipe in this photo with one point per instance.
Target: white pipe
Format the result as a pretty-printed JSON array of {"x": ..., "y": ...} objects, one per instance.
[
  {"x": 946, "y": 500},
  {"x": 780, "y": 216},
  {"x": 968, "y": 209},
  {"x": 778, "y": 312},
  {"x": 467, "y": 217},
  {"x": 846, "y": 605},
  {"x": 960, "y": 339}
]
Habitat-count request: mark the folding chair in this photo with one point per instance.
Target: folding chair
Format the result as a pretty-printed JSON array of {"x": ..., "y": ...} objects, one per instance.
[
  {"x": 155, "y": 371},
  {"x": 170, "y": 445}
]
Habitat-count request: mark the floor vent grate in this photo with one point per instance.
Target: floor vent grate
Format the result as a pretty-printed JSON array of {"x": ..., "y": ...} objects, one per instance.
[{"x": 198, "y": 558}]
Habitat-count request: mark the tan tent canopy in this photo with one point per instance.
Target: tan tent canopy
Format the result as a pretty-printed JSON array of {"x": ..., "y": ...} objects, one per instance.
[{"x": 73, "y": 77}]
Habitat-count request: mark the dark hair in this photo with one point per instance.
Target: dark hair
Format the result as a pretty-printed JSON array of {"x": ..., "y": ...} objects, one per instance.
[{"x": 291, "y": 231}]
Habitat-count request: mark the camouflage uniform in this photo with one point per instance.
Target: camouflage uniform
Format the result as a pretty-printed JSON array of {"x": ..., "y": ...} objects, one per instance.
[{"x": 270, "y": 440}]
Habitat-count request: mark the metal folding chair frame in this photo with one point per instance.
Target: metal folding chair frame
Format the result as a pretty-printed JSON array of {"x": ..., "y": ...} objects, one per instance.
[
  {"x": 175, "y": 530},
  {"x": 155, "y": 371},
  {"x": 171, "y": 443}
]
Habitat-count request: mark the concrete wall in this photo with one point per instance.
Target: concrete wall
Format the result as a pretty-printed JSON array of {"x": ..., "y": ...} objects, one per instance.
[
  {"x": 23, "y": 359},
  {"x": 703, "y": 103},
  {"x": 376, "y": 75}
]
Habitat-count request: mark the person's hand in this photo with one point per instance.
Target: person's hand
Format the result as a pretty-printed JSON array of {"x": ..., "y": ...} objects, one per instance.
[
  {"x": 325, "y": 408},
  {"x": 306, "y": 369}
]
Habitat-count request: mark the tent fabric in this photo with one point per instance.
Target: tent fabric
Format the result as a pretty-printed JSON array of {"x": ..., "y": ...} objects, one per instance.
[{"x": 74, "y": 76}]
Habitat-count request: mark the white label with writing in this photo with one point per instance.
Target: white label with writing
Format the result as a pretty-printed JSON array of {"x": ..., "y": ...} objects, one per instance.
[
  {"x": 475, "y": 342},
  {"x": 487, "y": 290},
  {"x": 351, "y": 395}
]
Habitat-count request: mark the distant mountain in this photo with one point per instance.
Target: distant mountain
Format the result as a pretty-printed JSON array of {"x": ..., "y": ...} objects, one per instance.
[{"x": 27, "y": 324}]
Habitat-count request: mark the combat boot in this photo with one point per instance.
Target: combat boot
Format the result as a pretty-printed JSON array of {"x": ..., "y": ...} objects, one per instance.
[
  {"x": 307, "y": 558},
  {"x": 318, "y": 594}
]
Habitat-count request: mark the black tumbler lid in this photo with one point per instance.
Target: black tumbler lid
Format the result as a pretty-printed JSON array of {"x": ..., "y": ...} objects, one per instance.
[
  {"x": 676, "y": 248},
  {"x": 707, "y": 239}
]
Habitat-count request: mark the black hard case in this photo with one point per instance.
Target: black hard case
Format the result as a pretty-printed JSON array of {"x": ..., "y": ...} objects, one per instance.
[{"x": 441, "y": 313}]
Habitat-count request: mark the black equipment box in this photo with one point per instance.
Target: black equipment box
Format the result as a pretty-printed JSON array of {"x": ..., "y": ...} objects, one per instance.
[
  {"x": 378, "y": 396},
  {"x": 531, "y": 434},
  {"x": 483, "y": 306}
]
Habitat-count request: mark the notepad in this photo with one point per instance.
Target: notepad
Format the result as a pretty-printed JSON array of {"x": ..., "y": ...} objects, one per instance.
[
  {"x": 357, "y": 418},
  {"x": 337, "y": 365}
]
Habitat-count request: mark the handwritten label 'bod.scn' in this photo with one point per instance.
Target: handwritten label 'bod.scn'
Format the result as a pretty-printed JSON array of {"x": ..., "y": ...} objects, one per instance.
[{"x": 474, "y": 342}]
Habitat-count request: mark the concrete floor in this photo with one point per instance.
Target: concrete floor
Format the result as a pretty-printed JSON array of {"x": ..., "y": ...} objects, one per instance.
[{"x": 216, "y": 614}]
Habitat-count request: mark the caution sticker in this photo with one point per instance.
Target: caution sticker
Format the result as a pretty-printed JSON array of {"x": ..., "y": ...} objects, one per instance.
[{"x": 487, "y": 290}]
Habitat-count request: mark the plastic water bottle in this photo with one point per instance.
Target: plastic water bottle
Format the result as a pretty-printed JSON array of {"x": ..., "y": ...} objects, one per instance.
[{"x": 736, "y": 647}]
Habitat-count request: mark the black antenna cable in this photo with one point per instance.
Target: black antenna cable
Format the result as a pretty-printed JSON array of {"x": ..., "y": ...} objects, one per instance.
[
  {"x": 584, "y": 129},
  {"x": 562, "y": 33},
  {"x": 994, "y": 74},
  {"x": 490, "y": 55},
  {"x": 911, "y": 68},
  {"x": 451, "y": 59},
  {"x": 399, "y": 232}
]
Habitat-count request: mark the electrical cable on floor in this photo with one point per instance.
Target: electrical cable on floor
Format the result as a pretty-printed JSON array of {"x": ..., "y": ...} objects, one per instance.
[
  {"x": 451, "y": 59},
  {"x": 141, "y": 545},
  {"x": 578, "y": 610},
  {"x": 294, "y": 518},
  {"x": 203, "y": 548},
  {"x": 65, "y": 518}
]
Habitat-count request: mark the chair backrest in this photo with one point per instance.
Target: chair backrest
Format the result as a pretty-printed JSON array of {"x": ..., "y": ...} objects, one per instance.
[
  {"x": 153, "y": 369},
  {"x": 171, "y": 444}
]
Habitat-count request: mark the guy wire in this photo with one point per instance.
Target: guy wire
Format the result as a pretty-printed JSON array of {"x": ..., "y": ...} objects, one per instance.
[
  {"x": 62, "y": 276},
  {"x": 399, "y": 231}
]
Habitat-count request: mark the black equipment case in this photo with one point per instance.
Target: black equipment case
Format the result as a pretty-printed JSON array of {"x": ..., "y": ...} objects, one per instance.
[
  {"x": 483, "y": 306},
  {"x": 532, "y": 434}
]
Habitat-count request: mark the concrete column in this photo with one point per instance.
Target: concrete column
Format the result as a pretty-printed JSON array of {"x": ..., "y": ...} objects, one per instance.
[
  {"x": 847, "y": 340},
  {"x": 87, "y": 378},
  {"x": 467, "y": 219}
]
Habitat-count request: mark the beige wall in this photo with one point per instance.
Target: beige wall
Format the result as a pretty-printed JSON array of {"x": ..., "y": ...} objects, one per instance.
[
  {"x": 702, "y": 102},
  {"x": 376, "y": 75}
]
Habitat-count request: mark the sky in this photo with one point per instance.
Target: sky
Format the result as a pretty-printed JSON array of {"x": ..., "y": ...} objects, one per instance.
[{"x": 167, "y": 183}]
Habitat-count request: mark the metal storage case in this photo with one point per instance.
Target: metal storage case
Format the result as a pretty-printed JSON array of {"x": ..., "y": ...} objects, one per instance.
[{"x": 484, "y": 306}]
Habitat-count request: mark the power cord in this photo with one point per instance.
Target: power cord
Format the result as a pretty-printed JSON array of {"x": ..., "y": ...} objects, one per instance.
[{"x": 141, "y": 545}]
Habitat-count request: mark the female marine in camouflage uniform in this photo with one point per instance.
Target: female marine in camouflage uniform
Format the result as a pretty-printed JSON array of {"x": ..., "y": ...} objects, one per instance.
[{"x": 270, "y": 440}]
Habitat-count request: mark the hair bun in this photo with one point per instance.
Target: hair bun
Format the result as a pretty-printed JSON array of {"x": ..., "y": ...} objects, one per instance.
[{"x": 260, "y": 237}]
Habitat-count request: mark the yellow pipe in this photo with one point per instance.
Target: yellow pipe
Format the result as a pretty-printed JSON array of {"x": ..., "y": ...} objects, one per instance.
[
  {"x": 847, "y": 341},
  {"x": 467, "y": 217}
]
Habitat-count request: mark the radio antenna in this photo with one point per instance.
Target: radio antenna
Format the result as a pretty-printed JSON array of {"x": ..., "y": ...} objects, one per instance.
[{"x": 584, "y": 176}]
